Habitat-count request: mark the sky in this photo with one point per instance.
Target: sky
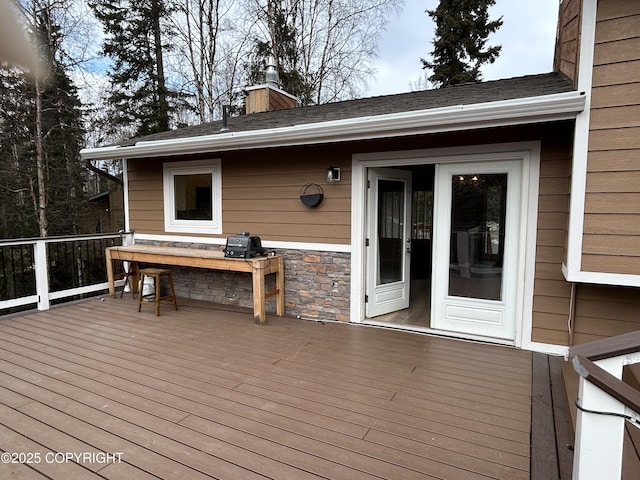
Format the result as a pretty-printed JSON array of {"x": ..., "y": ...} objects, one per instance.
[{"x": 527, "y": 37}]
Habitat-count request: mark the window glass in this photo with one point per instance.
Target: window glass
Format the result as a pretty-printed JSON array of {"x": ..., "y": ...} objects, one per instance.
[{"x": 193, "y": 197}]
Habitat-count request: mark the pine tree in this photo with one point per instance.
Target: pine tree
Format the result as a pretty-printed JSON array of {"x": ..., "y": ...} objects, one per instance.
[
  {"x": 42, "y": 186},
  {"x": 139, "y": 97},
  {"x": 66, "y": 174},
  {"x": 17, "y": 218},
  {"x": 460, "y": 44},
  {"x": 282, "y": 47}
]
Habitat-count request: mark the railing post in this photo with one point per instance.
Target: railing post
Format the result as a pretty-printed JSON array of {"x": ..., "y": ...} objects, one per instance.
[
  {"x": 42, "y": 274},
  {"x": 127, "y": 238},
  {"x": 599, "y": 438}
]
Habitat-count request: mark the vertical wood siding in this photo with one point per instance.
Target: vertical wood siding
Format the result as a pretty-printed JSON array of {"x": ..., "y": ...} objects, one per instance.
[{"x": 612, "y": 209}]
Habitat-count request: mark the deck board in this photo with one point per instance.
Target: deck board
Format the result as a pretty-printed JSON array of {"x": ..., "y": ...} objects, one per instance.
[{"x": 206, "y": 393}]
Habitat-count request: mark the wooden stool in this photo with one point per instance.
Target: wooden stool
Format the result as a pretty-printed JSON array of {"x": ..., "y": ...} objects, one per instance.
[{"x": 156, "y": 273}]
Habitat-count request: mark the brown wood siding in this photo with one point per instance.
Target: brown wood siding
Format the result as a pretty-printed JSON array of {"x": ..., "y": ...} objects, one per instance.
[
  {"x": 551, "y": 291},
  {"x": 146, "y": 204},
  {"x": 612, "y": 211},
  {"x": 266, "y": 99},
  {"x": 568, "y": 39},
  {"x": 260, "y": 194},
  {"x": 603, "y": 311}
]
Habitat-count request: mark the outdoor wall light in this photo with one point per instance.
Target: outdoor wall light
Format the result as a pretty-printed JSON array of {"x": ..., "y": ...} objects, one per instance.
[{"x": 333, "y": 174}]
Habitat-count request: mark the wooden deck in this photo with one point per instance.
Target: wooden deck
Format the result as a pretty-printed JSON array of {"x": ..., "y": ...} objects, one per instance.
[{"x": 206, "y": 393}]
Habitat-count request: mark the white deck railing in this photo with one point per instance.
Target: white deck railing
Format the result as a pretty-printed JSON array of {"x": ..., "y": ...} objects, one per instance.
[
  {"x": 36, "y": 263},
  {"x": 604, "y": 404}
]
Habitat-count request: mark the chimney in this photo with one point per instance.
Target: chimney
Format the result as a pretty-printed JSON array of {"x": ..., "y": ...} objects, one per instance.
[{"x": 267, "y": 97}]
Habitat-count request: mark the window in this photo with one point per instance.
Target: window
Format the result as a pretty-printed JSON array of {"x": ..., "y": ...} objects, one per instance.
[{"x": 193, "y": 197}]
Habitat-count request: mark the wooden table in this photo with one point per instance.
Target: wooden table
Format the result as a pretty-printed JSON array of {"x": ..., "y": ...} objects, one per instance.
[{"x": 259, "y": 267}]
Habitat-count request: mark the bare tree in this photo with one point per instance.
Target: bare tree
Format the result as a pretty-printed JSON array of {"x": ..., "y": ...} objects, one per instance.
[
  {"x": 41, "y": 17},
  {"x": 329, "y": 44},
  {"x": 208, "y": 48}
]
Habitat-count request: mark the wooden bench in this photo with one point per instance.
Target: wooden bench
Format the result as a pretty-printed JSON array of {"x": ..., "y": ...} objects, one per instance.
[{"x": 258, "y": 267}]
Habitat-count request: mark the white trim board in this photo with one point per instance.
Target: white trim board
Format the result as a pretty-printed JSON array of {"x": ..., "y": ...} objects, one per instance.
[
  {"x": 572, "y": 268},
  {"x": 268, "y": 244}
]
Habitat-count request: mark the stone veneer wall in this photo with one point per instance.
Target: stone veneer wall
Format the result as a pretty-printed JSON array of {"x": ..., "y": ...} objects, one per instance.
[{"x": 317, "y": 284}]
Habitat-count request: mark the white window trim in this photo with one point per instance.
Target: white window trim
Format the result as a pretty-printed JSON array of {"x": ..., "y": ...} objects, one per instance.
[{"x": 169, "y": 171}]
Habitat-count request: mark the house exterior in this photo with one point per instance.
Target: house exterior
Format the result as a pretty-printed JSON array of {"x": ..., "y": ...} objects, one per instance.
[{"x": 505, "y": 211}]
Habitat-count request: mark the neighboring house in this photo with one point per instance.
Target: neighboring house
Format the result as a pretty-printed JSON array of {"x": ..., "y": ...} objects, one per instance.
[
  {"x": 506, "y": 211},
  {"x": 107, "y": 212}
]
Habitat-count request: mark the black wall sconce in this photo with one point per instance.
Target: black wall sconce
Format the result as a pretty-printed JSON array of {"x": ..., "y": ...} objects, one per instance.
[
  {"x": 311, "y": 194},
  {"x": 333, "y": 174}
]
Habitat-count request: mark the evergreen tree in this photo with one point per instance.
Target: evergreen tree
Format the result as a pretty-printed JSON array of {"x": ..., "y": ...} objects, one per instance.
[
  {"x": 460, "y": 44},
  {"x": 66, "y": 175},
  {"x": 42, "y": 185},
  {"x": 139, "y": 97},
  {"x": 17, "y": 218},
  {"x": 283, "y": 49}
]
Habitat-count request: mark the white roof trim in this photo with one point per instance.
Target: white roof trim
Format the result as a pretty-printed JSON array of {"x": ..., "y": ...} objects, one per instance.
[
  {"x": 559, "y": 106},
  {"x": 275, "y": 89}
]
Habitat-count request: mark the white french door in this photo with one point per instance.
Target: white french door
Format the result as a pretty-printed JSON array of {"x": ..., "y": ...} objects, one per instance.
[
  {"x": 476, "y": 248},
  {"x": 389, "y": 240}
]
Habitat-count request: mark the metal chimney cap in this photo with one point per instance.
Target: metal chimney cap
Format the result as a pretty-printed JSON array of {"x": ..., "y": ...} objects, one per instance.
[{"x": 271, "y": 74}]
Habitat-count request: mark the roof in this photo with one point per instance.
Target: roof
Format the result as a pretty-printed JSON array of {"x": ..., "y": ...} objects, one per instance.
[{"x": 374, "y": 117}]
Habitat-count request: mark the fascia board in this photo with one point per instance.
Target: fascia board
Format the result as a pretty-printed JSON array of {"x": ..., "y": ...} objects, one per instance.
[{"x": 460, "y": 117}]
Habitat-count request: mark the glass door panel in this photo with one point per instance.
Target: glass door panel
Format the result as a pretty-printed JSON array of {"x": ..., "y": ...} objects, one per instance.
[
  {"x": 390, "y": 231},
  {"x": 476, "y": 256}
]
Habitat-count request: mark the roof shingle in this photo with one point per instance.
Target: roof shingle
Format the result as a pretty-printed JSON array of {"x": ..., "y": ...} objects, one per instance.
[{"x": 467, "y": 94}]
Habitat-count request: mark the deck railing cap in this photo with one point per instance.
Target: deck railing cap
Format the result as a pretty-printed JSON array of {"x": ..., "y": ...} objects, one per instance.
[{"x": 608, "y": 347}]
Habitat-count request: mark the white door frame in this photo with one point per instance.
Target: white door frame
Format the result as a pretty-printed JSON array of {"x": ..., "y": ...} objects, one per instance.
[{"x": 528, "y": 152}]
